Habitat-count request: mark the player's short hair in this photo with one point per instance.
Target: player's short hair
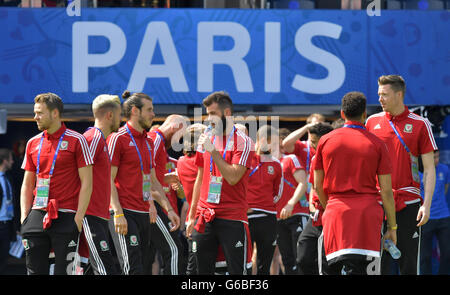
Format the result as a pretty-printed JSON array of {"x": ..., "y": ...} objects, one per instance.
[
  {"x": 266, "y": 131},
  {"x": 320, "y": 129},
  {"x": 283, "y": 133},
  {"x": 133, "y": 100},
  {"x": 104, "y": 103},
  {"x": 221, "y": 98},
  {"x": 319, "y": 117},
  {"x": 396, "y": 81},
  {"x": 51, "y": 100},
  {"x": 354, "y": 105}
]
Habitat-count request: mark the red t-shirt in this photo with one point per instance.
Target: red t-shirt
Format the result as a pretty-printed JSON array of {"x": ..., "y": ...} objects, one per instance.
[
  {"x": 187, "y": 173},
  {"x": 315, "y": 197},
  {"x": 265, "y": 184},
  {"x": 417, "y": 134},
  {"x": 351, "y": 159},
  {"x": 73, "y": 154},
  {"x": 305, "y": 152},
  {"x": 129, "y": 175},
  {"x": 163, "y": 165},
  {"x": 233, "y": 201},
  {"x": 101, "y": 174},
  {"x": 290, "y": 164}
]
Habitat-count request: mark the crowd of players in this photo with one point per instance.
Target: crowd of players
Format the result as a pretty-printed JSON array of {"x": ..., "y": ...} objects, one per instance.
[{"x": 229, "y": 205}]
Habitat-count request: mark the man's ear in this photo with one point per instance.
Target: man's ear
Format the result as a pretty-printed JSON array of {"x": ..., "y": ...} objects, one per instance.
[{"x": 342, "y": 114}]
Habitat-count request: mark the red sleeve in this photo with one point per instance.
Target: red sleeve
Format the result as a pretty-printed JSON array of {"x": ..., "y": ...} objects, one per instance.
[
  {"x": 83, "y": 153},
  {"x": 295, "y": 164},
  {"x": 277, "y": 184},
  {"x": 199, "y": 159},
  {"x": 244, "y": 151},
  {"x": 27, "y": 163},
  {"x": 311, "y": 170},
  {"x": 114, "y": 147},
  {"x": 426, "y": 139}
]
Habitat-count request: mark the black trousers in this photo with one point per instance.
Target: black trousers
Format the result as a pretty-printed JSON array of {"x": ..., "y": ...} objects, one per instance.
[
  {"x": 263, "y": 230},
  {"x": 408, "y": 242},
  {"x": 288, "y": 231},
  {"x": 356, "y": 265},
  {"x": 439, "y": 228},
  {"x": 232, "y": 236},
  {"x": 133, "y": 248},
  {"x": 96, "y": 232},
  {"x": 62, "y": 237},
  {"x": 307, "y": 250},
  {"x": 168, "y": 244}
]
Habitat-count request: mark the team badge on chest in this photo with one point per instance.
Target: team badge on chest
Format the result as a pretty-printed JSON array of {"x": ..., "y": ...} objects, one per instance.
[
  {"x": 64, "y": 145},
  {"x": 408, "y": 128},
  {"x": 270, "y": 170}
]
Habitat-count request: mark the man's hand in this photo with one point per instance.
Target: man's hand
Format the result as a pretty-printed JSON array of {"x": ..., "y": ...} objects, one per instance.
[
  {"x": 205, "y": 141},
  {"x": 120, "y": 224},
  {"x": 174, "y": 219},
  {"x": 423, "y": 215},
  {"x": 152, "y": 212},
  {"x": 391, "y": 234},
  {"x": 286, "y": 212}
]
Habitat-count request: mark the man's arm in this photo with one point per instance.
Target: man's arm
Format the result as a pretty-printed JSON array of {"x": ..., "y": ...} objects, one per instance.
[
  {"x": 318, "y": 185},
  {"x": 300, "y": 177},
  {"x": 231, "y": 172},
  {"x": 120, "y": 222},
  {"x": 289, "y": 142},
  {"x": 194, "y": 201},
  {"x": 387, "y": 198},
  {"x": 26, "y": 194},
  {"x": 85, "y": 174},
  {"x": 429, "y": 181}
]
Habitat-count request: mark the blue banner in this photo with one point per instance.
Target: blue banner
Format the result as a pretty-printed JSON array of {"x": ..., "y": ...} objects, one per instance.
[{"x": 178, "y": 56}]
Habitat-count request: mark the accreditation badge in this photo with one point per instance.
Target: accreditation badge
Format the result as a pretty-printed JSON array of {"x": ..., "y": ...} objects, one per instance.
[
  {"x": 415, "y": 168},
  {"x": 42, "y": 192},
  {"x": 146, "y": 187},
  {"x": 215, "y": 188}
]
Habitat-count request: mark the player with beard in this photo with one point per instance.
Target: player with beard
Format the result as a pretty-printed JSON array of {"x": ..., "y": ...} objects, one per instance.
[
  {"x": 107, "y": 113},
  {"x": 135, "y": 185},
  {"x": 218, "y": 214}
]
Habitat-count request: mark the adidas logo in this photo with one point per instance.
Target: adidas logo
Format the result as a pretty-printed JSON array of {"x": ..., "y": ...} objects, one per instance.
[
  {"x": 238, "y": 244},
  {"x": 377, "y": 127},
  {"x": 415, "y": 235},
  {"x": 72, "y": 244},
  {"x": 131, "y": 143}
]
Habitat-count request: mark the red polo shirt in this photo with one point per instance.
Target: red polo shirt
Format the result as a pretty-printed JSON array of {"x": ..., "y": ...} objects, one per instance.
[
  {"x": 315, "y": 197},
  {"x": 265, "y": 184},
  {"x": 74, "y": 153},
  {"x": 187, "y": 173},
  {"x": 233, "y": 201},
  {"x": 101, "y": 172},
  {"x": 290, "y": 164},
  {"x": 129, "y": 175},
  {"x": 417, "y": 134},
  {"x": 351, "y": 159},
  {"x": 163, "y": 165}
]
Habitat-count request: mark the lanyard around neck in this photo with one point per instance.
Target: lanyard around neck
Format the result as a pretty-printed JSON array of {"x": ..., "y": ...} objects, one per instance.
[
  {"x": 399, "y": 136},
  {"x": 137, "y": 149},
  {"x": 224, "y": 151},
  {"x": 54, "y": 157}
]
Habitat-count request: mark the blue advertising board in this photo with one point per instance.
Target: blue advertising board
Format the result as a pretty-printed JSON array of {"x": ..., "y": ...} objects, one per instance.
[{"x": 178, "y": 56}]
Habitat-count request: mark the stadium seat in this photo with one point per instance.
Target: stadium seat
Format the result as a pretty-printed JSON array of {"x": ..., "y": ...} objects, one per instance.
[
  {"x": 394, "y": 4},
  {"x": 424, "y": 4},
  {"x": 293, "y": 4}
]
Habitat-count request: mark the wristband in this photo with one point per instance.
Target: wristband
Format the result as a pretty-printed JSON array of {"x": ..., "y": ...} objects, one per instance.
[
  {"x": 118, "y": 215},
  {"x": 393, "y": 227}
]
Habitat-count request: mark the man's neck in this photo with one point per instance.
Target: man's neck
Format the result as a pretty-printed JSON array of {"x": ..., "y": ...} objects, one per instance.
[
  {"x": 397, "y": 110},
  {"x": 136, "y": 126},
  {"x": 54, "y": 127},
  {"x": 106, "y": 130}
]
